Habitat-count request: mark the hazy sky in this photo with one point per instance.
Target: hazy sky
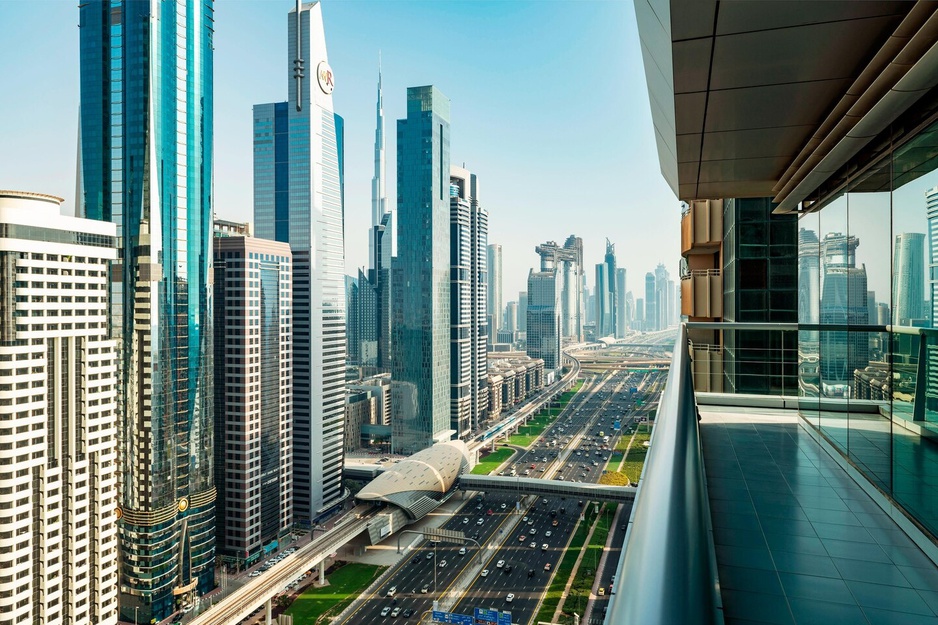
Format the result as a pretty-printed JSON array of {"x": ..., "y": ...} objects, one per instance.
[{"x": 549, "y": 109}]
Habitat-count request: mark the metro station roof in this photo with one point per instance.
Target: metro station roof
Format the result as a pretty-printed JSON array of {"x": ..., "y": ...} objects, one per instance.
[
  {"x": 770, "y": 98},
  {"x": 418, "y": 484}
]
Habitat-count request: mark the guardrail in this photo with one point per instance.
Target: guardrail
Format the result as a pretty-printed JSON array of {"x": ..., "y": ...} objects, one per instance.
[{"x": 668, "y": 563}]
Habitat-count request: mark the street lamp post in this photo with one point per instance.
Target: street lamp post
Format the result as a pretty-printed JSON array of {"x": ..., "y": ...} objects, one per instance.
[
  {"x": 434, "y": 568},
  {"x": 135, "y": 614}
]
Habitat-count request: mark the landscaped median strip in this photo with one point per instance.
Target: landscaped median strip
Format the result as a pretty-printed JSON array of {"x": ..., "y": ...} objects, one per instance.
[
  {"x": 345, "y": 584},
  {"x": 560, "y": 580}
]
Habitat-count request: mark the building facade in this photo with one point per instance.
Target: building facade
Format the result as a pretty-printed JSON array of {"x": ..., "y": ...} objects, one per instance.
[
  {"x": 543, "y": 337},
  {"x": 58, "y": 410},
  {"x": 298, "y": 200},
  {"x": 468, "y": 296},
  {"x": 253, "y": 396},
  {"x": 145, "y": 164},
  {"x": 494, "y": 305},
  {"x": 420, "y": 386},
  {"x": 651, "y": 303},
  {"x": 622, "y": 316},
  {"x": 603, "y": 302}
]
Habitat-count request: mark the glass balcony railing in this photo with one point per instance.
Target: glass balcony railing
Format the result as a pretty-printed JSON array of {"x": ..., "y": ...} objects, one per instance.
[{"x": 871, "y": 391}]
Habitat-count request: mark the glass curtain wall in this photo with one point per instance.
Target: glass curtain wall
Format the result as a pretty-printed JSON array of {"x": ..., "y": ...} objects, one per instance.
[{"x": 868, "y": 354}]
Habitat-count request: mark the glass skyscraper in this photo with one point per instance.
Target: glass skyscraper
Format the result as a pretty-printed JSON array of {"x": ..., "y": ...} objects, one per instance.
[
  {"x": 298, "y": 200},
  {"x": 420, "y": 386},
  {"x": 146, "y": 165}
]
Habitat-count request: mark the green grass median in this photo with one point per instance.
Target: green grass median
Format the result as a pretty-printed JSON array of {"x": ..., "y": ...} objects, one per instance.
[
  {"x": 345, "y": 585},
  {"x": 492, "y": 461},
  {"x": 565, "y": 568}
]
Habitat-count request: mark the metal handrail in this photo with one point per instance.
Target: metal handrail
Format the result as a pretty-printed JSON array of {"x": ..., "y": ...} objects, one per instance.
[{"x": 668, "y": 563}]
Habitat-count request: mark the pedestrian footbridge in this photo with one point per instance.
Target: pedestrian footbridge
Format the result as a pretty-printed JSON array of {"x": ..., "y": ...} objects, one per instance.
[{"x": 546, "y": 488}]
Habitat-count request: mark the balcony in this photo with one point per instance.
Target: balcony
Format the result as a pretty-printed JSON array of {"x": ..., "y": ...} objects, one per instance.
[
  {"x": 810, "y": 505},
  {"x": 702, "y": 294},
  {"x": 702, "y": 227}
]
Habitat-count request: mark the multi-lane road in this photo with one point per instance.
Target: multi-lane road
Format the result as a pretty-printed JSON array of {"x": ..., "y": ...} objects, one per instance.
[{"x": 529, "y": 541}]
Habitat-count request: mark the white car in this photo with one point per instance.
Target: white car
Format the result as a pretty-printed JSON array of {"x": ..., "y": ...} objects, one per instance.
[
  {"x": 500, "y": 564},
  {"x": 442, "y": 564},
  {"x": 385, "y": 611},
  {"x": 545, "y": 547},
  {"x": 396, "y": 611},
  {"x": 462, "y": 551},
  {"x": 504, "y": 506},
  {"x": 547, "y": 534},
  {"x": 484, "y": 573},
  {"x": 524, "y": 520},
  {"x": 392, "y": 591},
  {"x": 510, "y": 597},
  {"x": 480, "y": 521},
  {"x": 533, "y": 545},
  {"x": 465, "y": 520},
  {"x": 532, "y": 531}
]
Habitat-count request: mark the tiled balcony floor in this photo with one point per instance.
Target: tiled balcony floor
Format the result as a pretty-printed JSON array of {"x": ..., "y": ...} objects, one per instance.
[{"x": 797, "y": 541}]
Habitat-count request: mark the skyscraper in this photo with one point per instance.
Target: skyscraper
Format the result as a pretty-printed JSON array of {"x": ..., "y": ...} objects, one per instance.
[
  {"x": 622, "y": 324},
  {"x": 908, "y": 282},
  {"x": 663, "y": 302},
  {"x": 253, "y": 395},
  {"x": 421, "y": 312},
  {"x": 58, "y": 406},
  {"x": 469, "y": 329},
  {"x": 523, "y": 311},
  {"x": 145, "y": 164},
  {"x": 297, "y": 200},
  {"x": 543, "y": 338},
  {"x": 511, "y": 316},
  {"x": 610, "y": 260},
  {"x": 495, "y": 287},
  {"x": 379, "y": 197},
  {"x": 604, "y": 304},
  {"x": 568, "y": 262},
  {"x": 651, "y": 306}
]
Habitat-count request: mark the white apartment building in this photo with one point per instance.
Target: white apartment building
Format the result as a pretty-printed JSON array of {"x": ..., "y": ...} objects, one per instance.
[{"x": 58, "y": 420}]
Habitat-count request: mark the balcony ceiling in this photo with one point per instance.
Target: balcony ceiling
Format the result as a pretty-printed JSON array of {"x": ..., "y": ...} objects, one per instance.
[{"x": 751, "y": 81}]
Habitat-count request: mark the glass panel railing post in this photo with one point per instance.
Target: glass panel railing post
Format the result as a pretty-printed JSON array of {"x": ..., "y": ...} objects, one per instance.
[{"x": 921, "y": 379}]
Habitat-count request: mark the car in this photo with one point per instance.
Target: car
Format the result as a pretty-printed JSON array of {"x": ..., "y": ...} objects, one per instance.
[
  {"x": 484, "y": 573},
  {"x": 385, "y": 610},
  {"x": 602, "y": 591},
  {"x": 396, "y": 611},
  {"x": 490, "y": 513},
  {"x": 442, "y": 564},
  {"x": 544, "y": 501},
  {"x": 547, "y": 534},
  {"x": 510, "y": 597},
  {"x": 462, "y": 551},
  {"x": 547, "y": 566},
  {"x": 255, "y": 574},
  {"x": 425, "y": 589},
  {"x": 392, "y": 591},
  {"x": 507, "y": 569},
  {"x": 530, "y": 572},
  {"x": 522, "y": 538},
  {"x": 429, "y": 555},
  {"x": 533, "y": 545},
  {"x": 409, "y": 612},
  {"x": 545, "y": 547},
  {"x": 480, "y": 521},
  {"x": 531, "y": 522},
  {"x": 532, "y": 531},
  {"x": 465, "y": 520},
  {"x": 524, "y": 520},
  {"x": 415, "y": 560},
  {"x": 479, "y": 507},
  {"x": 504, "y": 505},
  {"x": 500, "y": 564}
]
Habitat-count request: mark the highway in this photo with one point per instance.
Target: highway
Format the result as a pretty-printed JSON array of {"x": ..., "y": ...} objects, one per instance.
[{"x": 583, "y": 460}]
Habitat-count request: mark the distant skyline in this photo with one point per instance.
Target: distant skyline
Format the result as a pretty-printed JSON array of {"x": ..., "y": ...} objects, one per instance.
[{"x": 549, "y": 109}]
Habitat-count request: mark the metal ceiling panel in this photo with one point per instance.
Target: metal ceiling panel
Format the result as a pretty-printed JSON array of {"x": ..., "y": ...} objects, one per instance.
[
  {"x": 694, "y": 19},
  {"x": 770, "y": 106},
  {"x": 753, "y": 143},
  {"x": 740, "y": 17},
  {"x": 689, "y": 72}
]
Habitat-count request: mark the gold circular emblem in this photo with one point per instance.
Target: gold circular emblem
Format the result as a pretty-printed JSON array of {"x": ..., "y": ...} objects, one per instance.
[
  {"x": 183, "y": 504},
  {"x": 120, "y": 514}
]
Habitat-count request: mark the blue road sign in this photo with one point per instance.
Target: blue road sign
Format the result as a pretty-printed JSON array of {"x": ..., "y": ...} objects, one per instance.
[
  {"x": 504, "y": 618},
  {"x": 448, "y": 617},
  {"x": 616, "y": 425},
  {"x": 486, "y": 616}
]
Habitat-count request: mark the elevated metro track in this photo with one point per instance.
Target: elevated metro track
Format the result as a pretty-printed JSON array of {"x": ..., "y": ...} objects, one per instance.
[{"x": 259, "y": 590}]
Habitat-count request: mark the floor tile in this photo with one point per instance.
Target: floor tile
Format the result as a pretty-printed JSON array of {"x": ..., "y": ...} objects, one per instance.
[
  {"x": 889, "y": 598},
  {"x": 850, "y": 550},
  {"x": 813, "y": 612},
  {"x": 872, "y": 572},
  {"x": 819, "y": 588}
]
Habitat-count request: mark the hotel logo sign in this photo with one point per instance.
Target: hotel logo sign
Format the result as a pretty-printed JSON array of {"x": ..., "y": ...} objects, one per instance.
[{"x": 326, "y": 78}]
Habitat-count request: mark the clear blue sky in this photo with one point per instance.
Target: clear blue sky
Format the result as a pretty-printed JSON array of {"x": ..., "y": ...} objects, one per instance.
[{"x": 549, "y": 109}]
